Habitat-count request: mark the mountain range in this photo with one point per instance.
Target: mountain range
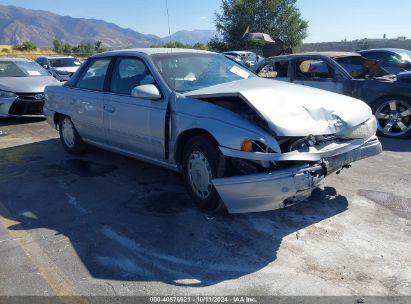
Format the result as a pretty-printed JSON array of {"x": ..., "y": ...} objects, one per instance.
[
  {"x": 191, "y": 37},
  {"x": 42, "y": 27}
]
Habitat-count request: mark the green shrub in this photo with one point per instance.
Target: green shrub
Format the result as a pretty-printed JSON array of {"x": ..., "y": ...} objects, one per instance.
[{"x": 25, "y": 46}]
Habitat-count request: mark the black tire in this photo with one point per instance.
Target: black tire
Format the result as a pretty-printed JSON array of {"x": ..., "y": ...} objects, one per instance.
[
  {"x": 72, "y": 144},
  {"x": 202, "y": 145},
  {"x": 393, "y": 116}
]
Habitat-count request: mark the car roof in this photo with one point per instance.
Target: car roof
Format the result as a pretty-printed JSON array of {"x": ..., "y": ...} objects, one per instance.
[
  {"x": 395, "y": 50},
  {"x": 56, "y": 57},
  {"x": 13, "y": 59},
  {"x": 151, "y": 51}
]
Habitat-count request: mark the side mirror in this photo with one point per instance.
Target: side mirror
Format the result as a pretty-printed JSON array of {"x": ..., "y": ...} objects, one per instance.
[
  {"x": 146, "y": 91},
  {"x": 45, "y": 66}
]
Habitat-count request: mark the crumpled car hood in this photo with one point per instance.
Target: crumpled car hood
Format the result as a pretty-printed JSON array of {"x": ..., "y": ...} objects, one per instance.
[{"x": 293, "y": 110}]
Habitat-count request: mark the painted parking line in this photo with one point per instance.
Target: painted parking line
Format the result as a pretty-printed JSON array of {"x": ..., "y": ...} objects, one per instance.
[{"x": 58, "y": 282}]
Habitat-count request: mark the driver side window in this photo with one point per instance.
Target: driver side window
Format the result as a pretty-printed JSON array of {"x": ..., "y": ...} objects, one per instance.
[
  {"x": 93, "y": 78},
  {"x": 129, "y": 73}
]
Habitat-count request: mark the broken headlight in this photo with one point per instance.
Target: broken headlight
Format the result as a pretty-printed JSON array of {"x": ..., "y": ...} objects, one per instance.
[
  {"x": 249, "y": 145},
  {"x": 254, "y": 146},
  {"x": 363, "y": 131}
]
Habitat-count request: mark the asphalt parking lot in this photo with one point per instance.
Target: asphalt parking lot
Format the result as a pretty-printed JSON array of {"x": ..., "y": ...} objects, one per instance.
[{"x": 104, "y": 224}]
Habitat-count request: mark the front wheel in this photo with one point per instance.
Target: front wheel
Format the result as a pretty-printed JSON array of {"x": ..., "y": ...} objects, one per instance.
[
  {"x": 393, "y": 117},
  {"x": 201, "y": 163},
  {"x": 70, "y": 139}
]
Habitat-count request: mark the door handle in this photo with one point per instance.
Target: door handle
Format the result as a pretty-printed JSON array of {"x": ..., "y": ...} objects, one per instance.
[{"x": 109, "y": 108}]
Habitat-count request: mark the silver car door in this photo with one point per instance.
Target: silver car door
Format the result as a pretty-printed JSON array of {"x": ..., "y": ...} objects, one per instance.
[
  {"x": 318, "y": 74},
  {"x": 134, "y": 124},
  {"x": 87, "y": 101}
]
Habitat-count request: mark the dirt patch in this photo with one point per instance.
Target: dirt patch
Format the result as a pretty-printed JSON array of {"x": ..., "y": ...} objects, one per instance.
[{"x": 401, "y": 206}]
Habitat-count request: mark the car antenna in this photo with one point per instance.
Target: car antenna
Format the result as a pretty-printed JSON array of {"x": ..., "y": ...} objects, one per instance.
[{"x": 169, "y": 30}]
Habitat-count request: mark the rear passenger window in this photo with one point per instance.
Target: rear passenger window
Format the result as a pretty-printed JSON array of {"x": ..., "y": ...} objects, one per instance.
[
  {"x": 93, "y": 78},
  {"x": 275, "y": 70},
  {"x": 129, "y": 73}
]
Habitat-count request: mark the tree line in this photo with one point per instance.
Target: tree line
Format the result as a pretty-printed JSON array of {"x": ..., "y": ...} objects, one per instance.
[
  {"x": 180, "y": 45},
  {"x": 84, "y": 49}
]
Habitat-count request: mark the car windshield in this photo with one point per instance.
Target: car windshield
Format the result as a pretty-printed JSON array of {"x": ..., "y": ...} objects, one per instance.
[
  {"x": 185, "y": 72},
  {"x": 359, "y": 67},
  {"x": 21, "y": 69},
  {"x": 64, "y": 62}
]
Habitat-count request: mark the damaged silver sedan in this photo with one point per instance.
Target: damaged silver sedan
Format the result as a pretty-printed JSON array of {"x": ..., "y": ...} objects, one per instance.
[{"x": 241, "y": 142}]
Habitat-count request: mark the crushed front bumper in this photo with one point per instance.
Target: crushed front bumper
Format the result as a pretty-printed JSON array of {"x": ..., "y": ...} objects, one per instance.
[{"x": 270, "y": 190}]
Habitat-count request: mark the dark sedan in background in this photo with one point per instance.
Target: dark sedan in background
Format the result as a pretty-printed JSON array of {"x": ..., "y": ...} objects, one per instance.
[
  {"x": 352, "y": 75},
  {"x": 394, "y": 61}
]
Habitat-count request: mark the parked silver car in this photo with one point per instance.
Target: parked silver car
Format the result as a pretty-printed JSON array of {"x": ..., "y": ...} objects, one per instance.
[
  {"x": 22, "y": 84},
  {"x": 240, "y": 141}
]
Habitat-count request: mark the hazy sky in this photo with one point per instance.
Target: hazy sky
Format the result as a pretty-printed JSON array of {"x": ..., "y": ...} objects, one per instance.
[{"x": 330, "y": 20}]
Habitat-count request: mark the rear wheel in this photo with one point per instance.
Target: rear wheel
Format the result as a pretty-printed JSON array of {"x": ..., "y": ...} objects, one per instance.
[
  {"x": 393, "y": 117},
  {"x": 201, "y": 163},
  {"x": 70, "y": 139}
]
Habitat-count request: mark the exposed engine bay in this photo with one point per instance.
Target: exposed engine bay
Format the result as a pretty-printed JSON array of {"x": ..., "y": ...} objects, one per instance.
[{"x": 239, "y": 106}]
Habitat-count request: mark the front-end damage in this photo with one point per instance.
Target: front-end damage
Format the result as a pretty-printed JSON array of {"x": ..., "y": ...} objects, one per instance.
[
  {"x": 299, "y": 136},
  {"x": 292, "y": 175}
]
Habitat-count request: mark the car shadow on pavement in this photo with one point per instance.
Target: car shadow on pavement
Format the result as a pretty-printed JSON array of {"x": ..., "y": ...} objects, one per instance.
[
  {"x": 395, "y": 145},
  {"x": 6, "y": 121},
  {"x": 130, "y": 221}
]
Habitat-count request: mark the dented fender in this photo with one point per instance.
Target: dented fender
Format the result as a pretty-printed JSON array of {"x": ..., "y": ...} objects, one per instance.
[{"x": 226, "y": 127}]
